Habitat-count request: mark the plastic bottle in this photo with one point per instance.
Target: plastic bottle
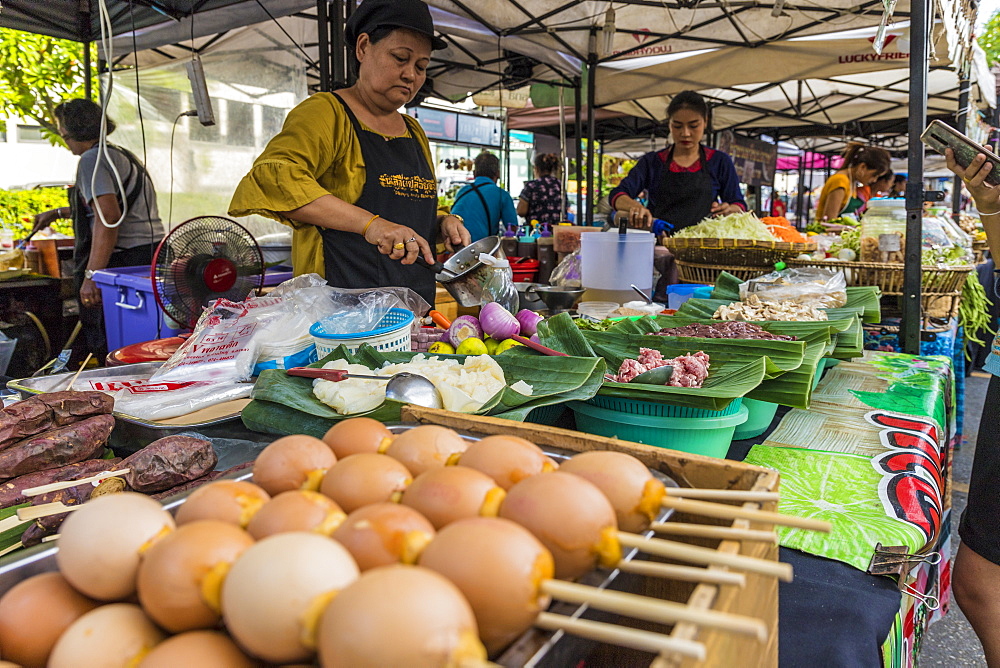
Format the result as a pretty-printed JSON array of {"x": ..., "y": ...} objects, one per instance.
[{"x": 499, "y": 287}]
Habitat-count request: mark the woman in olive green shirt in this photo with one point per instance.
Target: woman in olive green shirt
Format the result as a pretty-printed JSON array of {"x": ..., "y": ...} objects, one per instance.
[{"x": 352, "y": 175}]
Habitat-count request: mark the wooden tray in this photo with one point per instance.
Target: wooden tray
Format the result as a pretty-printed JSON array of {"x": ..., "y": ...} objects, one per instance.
[{"x": 758, "y": 599}]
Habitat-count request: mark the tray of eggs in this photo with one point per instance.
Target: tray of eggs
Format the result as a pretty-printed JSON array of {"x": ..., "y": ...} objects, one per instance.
[{"x": 374, "y": 546}]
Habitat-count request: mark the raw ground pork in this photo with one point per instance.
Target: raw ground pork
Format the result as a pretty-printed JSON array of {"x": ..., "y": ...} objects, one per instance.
[
  {"x": 725, "y": 330},
  {"x": 689, "y": 370}
]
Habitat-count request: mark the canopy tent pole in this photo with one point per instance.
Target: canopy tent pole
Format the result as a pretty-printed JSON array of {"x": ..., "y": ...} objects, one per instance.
[
  {"x": 323, "y": 31},
  {"x": 800, "y": 215},
  {"x": 340, "y": 73},
  {"x": 600, "y": 175},
  {"x": 505, "y": 124},
  {"x": 564, "y": 172},
  {"x": 919, "y": 22},
  {"x": 591, "y": 131},
  {"x": 88, "y": 86},
  {"x": 961, "y": 120},
  {"x": 578, "y": 136}
]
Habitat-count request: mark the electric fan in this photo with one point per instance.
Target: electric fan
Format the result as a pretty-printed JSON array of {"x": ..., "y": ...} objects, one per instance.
[{"x": 201, "y": 260}]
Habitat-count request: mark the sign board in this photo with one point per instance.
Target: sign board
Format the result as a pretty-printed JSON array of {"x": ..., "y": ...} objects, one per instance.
[
  {"x": 755, "y": 160},
  {"x": 437, "y": 124},
  {"x": 511, "y": 99},
  {"x": 479, "y": 130}
]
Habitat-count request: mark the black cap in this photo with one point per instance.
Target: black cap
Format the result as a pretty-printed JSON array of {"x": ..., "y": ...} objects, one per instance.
[{"x": 411, "y": 14}]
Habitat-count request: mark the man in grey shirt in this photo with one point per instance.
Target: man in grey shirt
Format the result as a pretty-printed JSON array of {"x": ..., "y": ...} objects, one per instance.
[{"x": 114, "y": 224}]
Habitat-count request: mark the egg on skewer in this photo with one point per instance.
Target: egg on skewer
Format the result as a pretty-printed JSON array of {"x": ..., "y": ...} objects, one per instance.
[
  {"x": 180, "y": 577},
  {"x": 293, "y": 462},
  {"x": 383, "y": 534},
  {"x": 423, "y": 448},
  {"x": 232, "y": 501},
  {"x": 632, "y": 490},
  {"x": 275, "y": 592},
  {"x": 296, "y": 510},
  {"x": 198, "y": 649},
  {"x": 363, "y": 479},
  {"x": 506, "y": 459},
  {"x": 506, "y": 575},
  {"x": 356, "y": 435},
  {"x": 34, "y": 613},
  {"x": 101, "y": 543},
  {"x": 111, "y": 635},
  {"x": 577, "y": 523},
  {"x": 430, "y": 622},
  {"x": 444, "y": 495}
]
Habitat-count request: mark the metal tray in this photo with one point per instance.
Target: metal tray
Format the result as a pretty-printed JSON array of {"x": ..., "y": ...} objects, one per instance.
[
  {"x": 130, "y": 433},
  {"x": 534, "y": 649}
]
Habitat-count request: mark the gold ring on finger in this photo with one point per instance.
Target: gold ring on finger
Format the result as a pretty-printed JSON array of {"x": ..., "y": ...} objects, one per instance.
[
  {"x": 399, "y": 246},
  {"x": 411, "y": 240}
]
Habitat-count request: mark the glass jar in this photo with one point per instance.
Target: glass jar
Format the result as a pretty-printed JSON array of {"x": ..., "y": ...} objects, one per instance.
[{"x": 883, "y": 230}]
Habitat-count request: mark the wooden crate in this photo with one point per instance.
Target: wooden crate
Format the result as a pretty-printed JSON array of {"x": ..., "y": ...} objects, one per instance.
[{"x": 759, "y": 598}]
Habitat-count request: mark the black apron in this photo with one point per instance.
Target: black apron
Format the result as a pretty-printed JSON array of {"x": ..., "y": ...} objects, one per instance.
[
  {"x": 399, "y": 187},
  {"x": 684, "y": 198}
]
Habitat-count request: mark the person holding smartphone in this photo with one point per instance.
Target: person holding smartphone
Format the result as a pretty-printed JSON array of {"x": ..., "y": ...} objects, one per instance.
[{"x": 976, "y": 575}]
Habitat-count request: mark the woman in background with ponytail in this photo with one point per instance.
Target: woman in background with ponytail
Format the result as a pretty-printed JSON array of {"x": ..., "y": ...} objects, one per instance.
[{"x": 862, "y": 166}]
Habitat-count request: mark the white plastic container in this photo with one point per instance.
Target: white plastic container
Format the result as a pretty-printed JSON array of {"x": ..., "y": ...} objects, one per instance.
[
  {"x": 596, "y": 310},
  {"x": 611, "y": 262}
]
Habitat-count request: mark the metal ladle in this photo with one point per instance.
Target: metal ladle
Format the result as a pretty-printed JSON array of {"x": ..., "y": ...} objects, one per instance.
[{"x": 405, "y": 387}]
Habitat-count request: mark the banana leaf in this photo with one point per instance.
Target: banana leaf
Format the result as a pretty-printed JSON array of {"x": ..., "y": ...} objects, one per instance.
[
  {"x": 12, "y": 536},
  {"x": 731, "y": 375},
  {"x": 866, "y": 298},
  {"x": 797, "y": 360},
  {"x": 553, "y": 380}
]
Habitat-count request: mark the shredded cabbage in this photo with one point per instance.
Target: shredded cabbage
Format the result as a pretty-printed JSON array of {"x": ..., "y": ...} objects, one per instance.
[{"x": 744, "y": 225}]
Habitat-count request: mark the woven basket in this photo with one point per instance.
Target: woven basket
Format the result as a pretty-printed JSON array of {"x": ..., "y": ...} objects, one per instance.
[
  {"x": 979, "y": 250},
  {"x": 742, "y": 252},
  {"x": 889, "y": 276},
  {"x": 936, "y": 311},
  {"x": 707, "y": 274}
]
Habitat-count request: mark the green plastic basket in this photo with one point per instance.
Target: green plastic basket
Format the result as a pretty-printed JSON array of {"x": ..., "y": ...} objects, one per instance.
[
  {"x": 708, "y": 436},
  {"x": 760, "y": 415},
  {"x": 655, "y": 409},
  {"x": 547, "y": 415}
]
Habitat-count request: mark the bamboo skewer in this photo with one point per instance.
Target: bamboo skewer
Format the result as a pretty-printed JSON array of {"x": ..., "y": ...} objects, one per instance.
[
  {"x": 721, "y": 494},
  {"x": 710, "y": 531},
  {"x": 7, "y": 550},
  {"x": 11, "y": 522},
  {"x": 702, "y": 555},
  {"x": 724, "y": 511},
  {"x": 66, "y": 484},
  {"x": 655, "y": 569},
  {"x": 653, "y": 610},
  {"x": 79, "y": 371},
  {"x": 44, "y": 510},
  {"x": 646, "y": 641}
]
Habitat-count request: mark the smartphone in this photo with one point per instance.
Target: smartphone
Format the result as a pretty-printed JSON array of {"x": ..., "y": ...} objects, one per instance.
[{"x": 940, "y": 136}]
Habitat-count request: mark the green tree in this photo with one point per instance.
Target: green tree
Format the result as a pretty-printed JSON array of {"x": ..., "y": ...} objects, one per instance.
[
  {"x": 990, "y": 39},
  {"x": 37, "y": 73}
]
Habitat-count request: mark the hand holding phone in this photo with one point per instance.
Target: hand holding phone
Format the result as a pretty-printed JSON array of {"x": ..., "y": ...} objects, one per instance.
[{"x": 940, "y": 136}]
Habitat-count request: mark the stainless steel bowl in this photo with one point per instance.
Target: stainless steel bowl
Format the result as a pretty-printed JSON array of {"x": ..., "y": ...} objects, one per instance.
[
  {"x": 464, "y": 275},
  {"x": 530, "y": 300},
  {"x": 555, "y": 297}
]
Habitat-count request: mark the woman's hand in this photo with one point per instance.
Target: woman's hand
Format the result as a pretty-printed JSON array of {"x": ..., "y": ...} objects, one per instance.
[
  {"x": 638, "y": 216},
  {"x": 723, "y": 209},
  {"x": 46, "y": 218},
  {"x": 453, "y": 233},
  {"x": 398, "y": 242},
  {"x": 987, "y": 197}
]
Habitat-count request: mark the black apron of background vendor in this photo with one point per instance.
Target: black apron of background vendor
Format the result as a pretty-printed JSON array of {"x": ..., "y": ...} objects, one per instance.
[
  {"x": 407, "y": 196},
  {"x": 683, "y": 198}
]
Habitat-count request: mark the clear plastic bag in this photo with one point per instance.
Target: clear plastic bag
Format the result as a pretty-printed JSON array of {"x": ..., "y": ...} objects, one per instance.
[
  {"x": 163, "y": 400},
  {"x": 224, "y": 344},
  {"x": 352, "y": 311},
  {"x": 811, "y": 286},
  {"x": 567, "y": 273},
  {"x": 499, "y": 287}
]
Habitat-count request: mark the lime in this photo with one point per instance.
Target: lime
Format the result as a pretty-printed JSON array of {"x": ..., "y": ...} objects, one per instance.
[
  {"x": 472, "y": 346},
  {"x": 491, "y": 345},
  {"x": 507, "y": 345},
  {"x": 441, "y": 348}
]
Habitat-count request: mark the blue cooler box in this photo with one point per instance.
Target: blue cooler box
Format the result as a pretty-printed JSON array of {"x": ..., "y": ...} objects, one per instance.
[{"x": 131, "y": 314}]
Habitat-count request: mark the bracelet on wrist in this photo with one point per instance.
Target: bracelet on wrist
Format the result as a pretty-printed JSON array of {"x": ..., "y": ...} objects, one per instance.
[
  {"x": 989, "y": 213},
  {"x": 371, "y": 220}
]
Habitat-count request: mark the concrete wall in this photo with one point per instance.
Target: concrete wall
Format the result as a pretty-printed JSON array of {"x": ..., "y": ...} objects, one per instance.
[{"x": 25, "y": 160}]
